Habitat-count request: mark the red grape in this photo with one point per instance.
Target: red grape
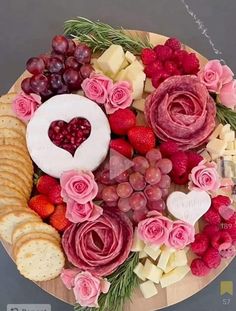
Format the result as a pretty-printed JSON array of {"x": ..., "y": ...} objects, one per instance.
[
  {"x": 140, "y": 164},
  {"x": 153, "y": 193},
  {"x": 63, "y": 90},
  {"x": 26, "y": 87},
  {"x": 83, "y": 53},
  {"x": 137, "y": 181},
  {"x": 156, "y": 205},
  {"x": 86, "y": 70},
  {"x": 71, "y": 47},
  {"x": 153, "y": 155},
  {"x": 165, "y": 165},
  {"x": 164, "y": 182},
  {"x": 60, "y": 44},
  {"x": 105, "y": 178},
  {"x": 123, "y": 205},
  {"x": 124, "y": 176},
  {"x": 124, "y": 190},
  {"x": 56, "y": 81},
  {"x": 152, "y": 175},
  {"x": 109, "y": 194},
  {"x": 72, "y": 78},
  {"x": 45, "y": 58},
  {"x": 71, "y": 62},
  {"x": 139, "y": 215},
  {"x": 165, "y": 192},
  {"x": 137, "y": 201},
  {"x": 35, "y": 65},
  {"x": 55, "y": 65},
  {"x": 59, "y": 56},
  {"x": 46, "y": 94},
  {"x": 39, "y": 83}
]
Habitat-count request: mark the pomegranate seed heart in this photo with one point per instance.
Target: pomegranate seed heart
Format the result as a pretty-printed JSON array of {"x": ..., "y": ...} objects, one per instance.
[{"x": 69, "y": 136}]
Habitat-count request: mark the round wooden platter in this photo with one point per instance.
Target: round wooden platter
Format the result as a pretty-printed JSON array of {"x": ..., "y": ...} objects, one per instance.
[{"x": 165, "y": 297}]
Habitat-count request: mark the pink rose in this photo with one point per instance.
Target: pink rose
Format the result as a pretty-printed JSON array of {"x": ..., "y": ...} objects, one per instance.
[
  {"x": 228, "y": 94},
  {"x": 88, "y": 288},
  {"x": 68, "y": 277},
  {"x": 120, "y": 97},
  {"x": 181, "y": 234},
  {"x": 214, "y": 75},
  {"x": 96, "y": 87},
  {"x": 25, "y": 105},
  {"x": 76, "y": 212},
  {"x": 204, "y": 176},
  {"x": 79, "y": 186},
  {"x": 154, "y": 229}
]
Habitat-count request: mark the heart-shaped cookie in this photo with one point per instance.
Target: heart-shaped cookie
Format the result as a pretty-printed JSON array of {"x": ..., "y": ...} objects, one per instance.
[{"x": 188, "y": 207}]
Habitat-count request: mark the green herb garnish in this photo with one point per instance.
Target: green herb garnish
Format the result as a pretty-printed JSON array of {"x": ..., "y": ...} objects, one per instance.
[{"x": 226, "y": 115}]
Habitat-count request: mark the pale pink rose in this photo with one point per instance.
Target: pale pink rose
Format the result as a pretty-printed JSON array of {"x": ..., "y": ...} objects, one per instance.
[
  {"x": 68, "y": 277},
  {"x": 214, "y": 75},
  {"x": 97, "y": 87},
  {"x": 154, "y": 229},
  {"x": 78, "y": 186},
  {"x": 181, "y": 234},
  {"x": 25, "y": 105},
  {"x": 228, "y": 94},
  {"x": 77, "y": 213},
  {"x": 88, "y": 288},
  {"x": 205, "y": 177},
  {"x": 120, "y": 97}
]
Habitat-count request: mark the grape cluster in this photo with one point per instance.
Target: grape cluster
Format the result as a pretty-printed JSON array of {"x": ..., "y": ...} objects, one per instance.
[
  {"x": 139, "y": 189},
  {"x": 60, "y": 72}
]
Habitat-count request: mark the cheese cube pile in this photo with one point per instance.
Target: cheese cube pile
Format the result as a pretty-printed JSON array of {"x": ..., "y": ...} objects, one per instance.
[{"x": 159, "y": 265}]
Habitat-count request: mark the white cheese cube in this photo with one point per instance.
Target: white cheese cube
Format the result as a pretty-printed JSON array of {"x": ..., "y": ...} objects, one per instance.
[
  {"x": 163, "y": 260},
  {"x": 180, "y": 258},
  {"x": 111, "y": 60},
  {"x": 174, "y": 276},
  {"x": 234, "y": 158},
  {"x": 229, "y": 152},
  {"x": 216, "y": 146},
  {"x": 142, "y": 255},
  {"x": 152, "y": 272},
  {"x": 168, "y": 249},
  {"x": 139, "y": 104},
  {"x": 230, "y": 145},
  {"x": 130, "y": 57},
  {"x": 205, "y": 155},
  {"x": 137, "y": 82},
  {"x": 225, "y": 129},
  {"x": 228, "y": 136},
  {"x": 124, "y": 64},
  {"x": 135, "y": 67},
  {"x": 171, "y": 264},
  {"x": 138, "y": 244},
  {"x": 94, "y": 63},
  {"x": 234, "y": 144},
  {"x": 120, "y": 75},
  {"x": 138, "y": 270},
  {"x": 216, "y": 132},
  {"x": 148, "y": 289},
  {"x": 227, "y": 157},
  {"x": 148, "y": 87},
  {"x": 152, "y": 251}
]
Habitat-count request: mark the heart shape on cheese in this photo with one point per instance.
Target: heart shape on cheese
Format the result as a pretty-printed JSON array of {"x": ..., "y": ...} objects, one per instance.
[
  {"x": 53, "y": 160},
  {"x": 69, "y": 135},
  {"x": 188, "y": 207}
]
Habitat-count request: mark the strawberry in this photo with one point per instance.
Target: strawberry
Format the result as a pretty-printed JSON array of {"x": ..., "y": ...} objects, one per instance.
[
  {"x": 121, "y": 121},
  {"x": 173, "y": 43},
  {"x": 148, "y": 56},
  {"x": 45, "y": 184},
  {"x": 122, "y": 146},
  {"x": 54, "y": 195},
  {"x": 58, "y": 219},
  {"x": 190, "y": 64},
  {"x": 193, "y": 159},
  {"x": 163, "y": 52},
  {"x": 168, "y": 148},
  {"x": 180, "y": 163},
  {"x": 41, "y": 205},
  {"x": 142, "y": 138}
]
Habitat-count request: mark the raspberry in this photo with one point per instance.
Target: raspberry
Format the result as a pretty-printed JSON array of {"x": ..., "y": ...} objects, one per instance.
[
  {"x": 191, "y": 64},
  {"x": 200, "y": 244},
  {"x": 163, "y": 52},
  {"x": 199, "y": 268},
  {"x": 173, "y": 43},
  {"x": 180, "y": 180},
  {"x": 193, "y": 159},
  {"x": 159, "y": 78},
  {"x": 227, "y": 213},
  {"x": 168, "y": 148},
  {"x": 178, "y": 56},
  {"x": 212, "y": 217},
  {"x": 229, "y": 252},
  {"x": 211, "y": 230},
  {"x": 220, "y": 200},
  {"x": 180, "y": 163},
  {"x": 170, "y": 67},
  {"x": 152, "y": 69},
  {"x": 221, "y": 240},
  {"x": 212, "y": 258},
  {"x": 232, "y": 219},
  {"x": 148, "y": 56},
  {"x": 232, "y": 231}
]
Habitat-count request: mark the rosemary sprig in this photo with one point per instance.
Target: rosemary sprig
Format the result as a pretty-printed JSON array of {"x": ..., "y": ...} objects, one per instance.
[
  {"x": 99, "y": 36},
  {"x": 226, "y": 115},
  {"x": 123, "y": 282}
]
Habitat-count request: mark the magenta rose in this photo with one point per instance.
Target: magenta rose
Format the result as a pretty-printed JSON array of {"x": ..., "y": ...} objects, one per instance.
[
  {"x": 78, "y": 186},
  {"x": 120, "y": 97},
  {"x": 228, "y": 94},
  {"x": 68, "y": 277},
  {"x": 180, "y": 235},
  {"x": 214, "y": 75},
  {"x": 76, "y": 212},
  {"x": 97, "y": 87},
  {"x": 154, "y": 229},
  {"x": 87, "y": 289},
  {"x": 25, "y": 105},
  {"x": 204, "y": 176}
]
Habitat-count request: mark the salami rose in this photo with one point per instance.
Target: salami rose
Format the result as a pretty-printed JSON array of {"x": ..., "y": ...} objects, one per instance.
[
  {"x": 99, "y": 246},
  {"x": 181, "y": 110}
]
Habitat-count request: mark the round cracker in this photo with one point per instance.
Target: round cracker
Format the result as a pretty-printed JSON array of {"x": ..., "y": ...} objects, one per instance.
[
  {"x": 24, "y": 154},
  {"x": 11, "y": 208},
  {"x": 14, "y": 170},
  {"x": 8, "y": 183},
  {"x": 6, "y": 109},
  {"x": 7, "y": 190},
  {"x": 13, "y": 155},
  {"x": 17, "y": 181},
  {"x": 7, "y": 132},
  {"x": 18, "y": 165},
  {"x": 40, "y": 260},
  {"x": 18, "y": 142},
  {"x": 12, "y": 123},
  {"x": 8, "y": 98},
  {"x": 11, "y": 200}
]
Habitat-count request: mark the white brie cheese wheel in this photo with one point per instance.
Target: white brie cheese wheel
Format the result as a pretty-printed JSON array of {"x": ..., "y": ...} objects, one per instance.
[{"x": 54, "y": 160}]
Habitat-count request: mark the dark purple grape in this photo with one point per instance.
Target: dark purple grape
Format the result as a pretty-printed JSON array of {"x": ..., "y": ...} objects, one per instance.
[
  {"x": 72, "y": 79},
  {"x": 26, "y": 87},
  {"x": 45, "y": 58},
  {"x": 39, "y": 83},
  {"x": 56, "y": 81},
  {"x": 59, "y": 56},
  {"x": 83, "y": 53},
  {"x": 63, "y": 90},
  {"x": 71, "y": 47},
  {"x": 35, "y": 65},
  {"x": 55, "y": 65},
  {"x": 86, "y": 70},
  {"x": 60, "y": 44},
  {"x": 71, "y": 62},
  {"x": 46, "y": 94}
]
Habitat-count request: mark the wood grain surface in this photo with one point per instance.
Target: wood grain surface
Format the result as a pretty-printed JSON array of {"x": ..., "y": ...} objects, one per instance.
[{"x": 165, "y": 297}]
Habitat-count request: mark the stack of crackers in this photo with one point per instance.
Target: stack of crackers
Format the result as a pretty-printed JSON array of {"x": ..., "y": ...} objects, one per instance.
[{"x": 36, "y": 245}]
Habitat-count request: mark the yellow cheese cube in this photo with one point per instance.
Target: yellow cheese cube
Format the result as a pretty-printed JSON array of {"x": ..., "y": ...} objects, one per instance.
[
  {"x": 124, "y": 64},
  {"x": 135, "y": 67},
  {"x": 148, "y": 87},
  {"x": 111, "y": 60},
  {"x": 138, "y": 270},
  {"x": 216, "y": 132},
  {"x": 138, "y": 244},
  {"x": 120, "y": 75},
  {"x": 227, "y": 157},
  {"x": 142, "y": 255},
  {"x": 152, "y": 251},
  {"x": 163, "y": 260},
  {"x": 137, "y": 82},
  {"x": 234, "y": 158},
  {"x": 180, "y": 258},
  {"x": 225, "y": 129},
  {"x": 130, "y": 57},
  {"x": 139, "y": 104},
  {"x": 151, "y": 272},
  {"x": 174, "y": 276},
  {"x": 94, "y": 63},
  {"x": 148, "y": 289},
  {"x": 216, "y": 146},
  {"x": 228, "y": 136},
  {"x": 234, "y": 144},
  {"x": 230, "y": 145},
  {"x": 229, "y": 152}
]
